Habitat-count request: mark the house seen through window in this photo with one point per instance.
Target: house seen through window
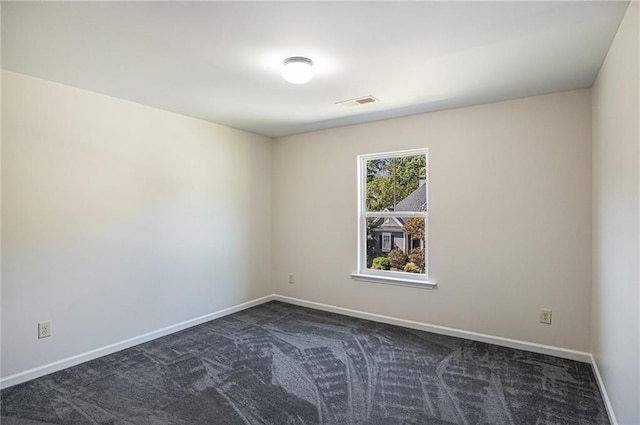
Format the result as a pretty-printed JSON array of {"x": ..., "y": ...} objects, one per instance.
[{"x": 393, "y": 213}]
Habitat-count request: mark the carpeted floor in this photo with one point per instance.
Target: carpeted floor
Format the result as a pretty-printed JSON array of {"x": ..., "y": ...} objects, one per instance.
[{"x": 278, "y": 364}]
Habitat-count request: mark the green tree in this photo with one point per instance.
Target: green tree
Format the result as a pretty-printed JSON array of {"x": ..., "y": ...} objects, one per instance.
[
  {"x": 371, "y": 248},
  {"x": 390, "y": 180}
]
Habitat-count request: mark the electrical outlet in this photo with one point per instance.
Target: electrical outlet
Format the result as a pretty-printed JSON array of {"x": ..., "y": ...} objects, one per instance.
[
  {"x": 292, "y": 279},
  {"x": 545, "y": 316},
  {"x": 44, "y": 329}
]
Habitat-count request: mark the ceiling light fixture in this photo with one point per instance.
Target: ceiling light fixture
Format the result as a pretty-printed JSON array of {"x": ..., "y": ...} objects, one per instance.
[{"x": 297, "y": 70}]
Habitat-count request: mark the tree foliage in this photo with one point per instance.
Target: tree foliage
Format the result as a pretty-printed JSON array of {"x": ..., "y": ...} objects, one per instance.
[
  {"x": 417, "y": 257},
  {"x": 411, "y": 268},
  {"x": 371, "y": 243},
  {"x": 414, "y": 227},
  {"x": 397, "y": 258},
  {"x": 390, "y": 180},
  {"x": 380, "y": 263}
]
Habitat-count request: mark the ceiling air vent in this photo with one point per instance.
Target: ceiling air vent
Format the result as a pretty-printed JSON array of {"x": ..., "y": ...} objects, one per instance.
[{"x": 358, "y": 101}]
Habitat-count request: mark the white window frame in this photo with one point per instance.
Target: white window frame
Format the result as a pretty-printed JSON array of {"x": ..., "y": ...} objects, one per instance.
[{"x": 387, "y": 276}]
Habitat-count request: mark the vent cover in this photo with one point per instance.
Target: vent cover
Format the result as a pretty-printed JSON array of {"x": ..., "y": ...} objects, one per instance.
[{"x": 358, "y": 101}]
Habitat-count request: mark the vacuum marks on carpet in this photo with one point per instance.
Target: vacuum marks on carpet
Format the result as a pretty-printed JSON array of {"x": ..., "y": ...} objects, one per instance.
[{"x": 278, "y": 364}]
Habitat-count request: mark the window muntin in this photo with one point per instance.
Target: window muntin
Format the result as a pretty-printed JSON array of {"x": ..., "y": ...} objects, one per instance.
[{"x": 393, "y": 212}]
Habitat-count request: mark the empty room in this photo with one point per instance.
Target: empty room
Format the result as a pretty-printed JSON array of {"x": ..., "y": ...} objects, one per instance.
[{"x": 338, "y": 212}]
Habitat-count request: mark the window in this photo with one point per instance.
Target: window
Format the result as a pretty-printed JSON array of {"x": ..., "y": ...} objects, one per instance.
[
  {"x": 392, "y": 218},
  {"x": 386, "y": 242}
]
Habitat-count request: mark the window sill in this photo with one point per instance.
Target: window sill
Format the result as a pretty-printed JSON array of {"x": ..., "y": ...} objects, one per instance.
[{"x": 390, "y": 280}]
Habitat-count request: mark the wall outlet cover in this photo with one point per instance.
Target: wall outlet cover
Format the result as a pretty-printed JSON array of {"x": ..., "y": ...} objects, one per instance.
[
  {"x": 44, "y": 329},
  {"x": 545, "y": 316}
]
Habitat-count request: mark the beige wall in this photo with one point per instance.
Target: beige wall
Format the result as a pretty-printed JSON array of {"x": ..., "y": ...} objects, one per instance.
[
  {"x": 509, "y": 225},
  {"x": 616, "y": 215},
  {"x": 120, "y": 219}
]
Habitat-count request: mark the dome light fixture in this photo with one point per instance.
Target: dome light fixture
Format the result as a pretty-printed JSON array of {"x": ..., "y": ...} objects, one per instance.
[{"x": 297, "y": 69}]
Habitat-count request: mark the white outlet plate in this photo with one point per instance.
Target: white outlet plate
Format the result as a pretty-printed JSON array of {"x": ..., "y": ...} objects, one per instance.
[
  {"x": 545, "y": 316},
  {"x": 44, "y": 329},
  {"x": 292, "y": 279}
]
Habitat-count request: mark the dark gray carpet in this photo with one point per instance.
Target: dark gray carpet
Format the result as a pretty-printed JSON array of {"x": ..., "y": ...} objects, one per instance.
[{"x": 278, "y": 364}]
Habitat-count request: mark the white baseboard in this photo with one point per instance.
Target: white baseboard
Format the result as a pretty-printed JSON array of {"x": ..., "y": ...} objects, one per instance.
[
  {"x": 505, "y": 342},
  {"x": 580, "y": 356},
  {"x": 37, "y": 372},
  {"x": 603, "y": 391}
]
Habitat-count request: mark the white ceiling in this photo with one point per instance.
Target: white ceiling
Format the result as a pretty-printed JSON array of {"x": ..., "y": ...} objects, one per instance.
[{"x": 220, "y": 61}]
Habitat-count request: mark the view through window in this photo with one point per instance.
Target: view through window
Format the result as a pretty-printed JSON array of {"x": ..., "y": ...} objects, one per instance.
[{"x": 393, "y": 214}]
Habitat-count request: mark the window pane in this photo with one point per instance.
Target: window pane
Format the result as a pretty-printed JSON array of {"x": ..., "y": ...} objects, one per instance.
[
  {"x": 396, "y": 184},
  {"x": 396, "y": 244}
]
